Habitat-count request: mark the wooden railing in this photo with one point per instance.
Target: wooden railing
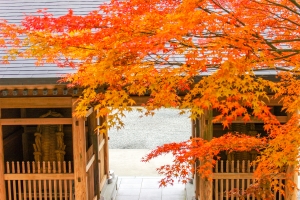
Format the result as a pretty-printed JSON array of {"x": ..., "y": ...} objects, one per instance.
[
  {"x": 232, "y": 178},
  {"x": 35, "y": 180}
]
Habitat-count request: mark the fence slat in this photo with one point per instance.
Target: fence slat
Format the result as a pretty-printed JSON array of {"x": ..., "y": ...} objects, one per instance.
[
  {"x": 226, "y": 183},
  {"x": 248, "y": 166},
  {"x": 49, "y": 167},
  {"x": 50, "y": 181},
  {"x": 29, "y": 182},
  {"x": 232, "y": 187},
  {"x": 14, "y": 182},
  {"x": 40, "y": 189},
  {"x": 221, "y": 181},
  {"x": 34, "y": 190},
  {"x": 9, "y": 182},
  {"x": 38, "y": 167},
  {"x": 243, "y": 166},
  {"x": 70, "y": 166},
  {"x": 19, "y": 182},
  {"x": 253, "y": 196},
  {"x": 44, "y": 189},
  {"x": 54, "y": 167},
  {"x": 71, "y": 190},
  {"x": 29, "y": 189},
  {"x": 44, "y": 167},
  {"x": 7, "y": 168},
  {"x": 280, "y": 186},
  {"x": 50, "y": 189},
  {"x": 24, "y": 181},
  {"x": 59, "y": 181},
  {"x": 55, "y": 188},
  {"x": 60, "y": 189},
  {"x": 65, "y": 181},
  {"x": 33, "y": 167}
]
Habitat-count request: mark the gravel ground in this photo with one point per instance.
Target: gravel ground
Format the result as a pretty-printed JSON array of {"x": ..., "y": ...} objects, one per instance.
[{"x": 149, "y": 132}]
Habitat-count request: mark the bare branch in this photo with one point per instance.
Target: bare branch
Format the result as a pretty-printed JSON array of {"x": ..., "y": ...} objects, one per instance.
[{"x": 283, "y": 6}]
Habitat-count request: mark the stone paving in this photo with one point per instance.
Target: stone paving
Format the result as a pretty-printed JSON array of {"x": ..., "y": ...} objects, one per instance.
[
  {"x": 137, "y": 180},
  {"x": 146, "y": 188}
]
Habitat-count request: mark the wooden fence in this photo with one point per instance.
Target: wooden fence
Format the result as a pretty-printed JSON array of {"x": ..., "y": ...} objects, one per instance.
[
  {"x": 37, "y": 181},
  {"x": 232, "y": 178}
]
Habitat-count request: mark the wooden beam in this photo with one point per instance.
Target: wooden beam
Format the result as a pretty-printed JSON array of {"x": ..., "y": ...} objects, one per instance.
[
  {"x": 281, "y": 119},
  {"x": 89, "y": 112},
  {"x": 140, "y": 100},
  {"x": 79, "y": 153},
  {"x": 241, "y": 176},
  {"x": 38, "y": 177},
  {"x": 2, "y": 168},
  {"x": 35, "y": 121},
  {"x": 36, "y": 102},
  {"x": 269, "y": 101},
  {"x": 101, "y": 145},
  {"x": 30, "y": 86},
  {"x": 90, "y": 162},
  {"x": 232, "y": 175}
]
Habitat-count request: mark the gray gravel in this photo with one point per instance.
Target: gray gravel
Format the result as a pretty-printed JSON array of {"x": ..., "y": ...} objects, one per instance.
[{"x": 149, "y": 132}]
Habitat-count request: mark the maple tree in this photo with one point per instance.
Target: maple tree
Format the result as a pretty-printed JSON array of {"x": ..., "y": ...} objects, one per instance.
[{"x": 161, "y": 48}]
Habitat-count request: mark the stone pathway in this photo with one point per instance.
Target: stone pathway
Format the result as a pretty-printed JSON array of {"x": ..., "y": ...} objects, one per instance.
[{"x": 146, "y": 188}]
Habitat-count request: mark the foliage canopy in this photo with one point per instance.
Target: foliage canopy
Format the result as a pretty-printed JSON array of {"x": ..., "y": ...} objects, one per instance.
[{"x": 162, "y": 47}]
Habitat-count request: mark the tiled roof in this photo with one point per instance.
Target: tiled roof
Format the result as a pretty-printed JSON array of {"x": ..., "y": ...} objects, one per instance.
[
  {"x": 13, "y": 11},
  {"x": 23, "y": 71}
]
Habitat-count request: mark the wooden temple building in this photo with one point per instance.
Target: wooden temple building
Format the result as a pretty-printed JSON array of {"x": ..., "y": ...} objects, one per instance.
[
  {"x": 233, "y": 173},
  {"x": 46, "y": 153}
]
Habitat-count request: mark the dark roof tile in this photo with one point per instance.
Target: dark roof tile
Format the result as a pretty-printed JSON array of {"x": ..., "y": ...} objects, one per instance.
[{"x": 14, "y": 11}]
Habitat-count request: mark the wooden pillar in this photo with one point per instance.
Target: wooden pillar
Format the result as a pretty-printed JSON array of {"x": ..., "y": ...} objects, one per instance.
[
  {"x": 196, "y": 133},
  {"x": 95, "y": 139},
  {"x": 206, "y": 132},
  {"x": 292, "y": 175},
  {"x": 2, "y": 168},
  {"x": 106, "y": 149},
  {"x": 79, "y": 152}
]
